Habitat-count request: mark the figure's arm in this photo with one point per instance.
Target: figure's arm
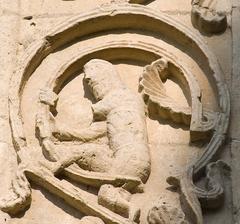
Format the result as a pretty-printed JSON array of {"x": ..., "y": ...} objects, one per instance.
[
  {"x": 96, "y": 130},
  {"x": 102, "y": 108},
  {"x": 45, "y": 134},
  {"x": 63, "y": 132},
  {"x": 45, "y": 121}
]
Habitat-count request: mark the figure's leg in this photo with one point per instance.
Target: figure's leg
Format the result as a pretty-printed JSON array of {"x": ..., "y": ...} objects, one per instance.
[
  {"x": 49, "y": 150},
  {"x": 79, "y": 199},
  {"x": 90, "y": 164},
  {"x": 117, "y": 200},
  {"x": 88, "y": 156},
  {"x": 97, "y": 179},
  {"x": 94, "y": 131},
  {"x": 132, "y": 160},
  {"x": 91, "y": 220},
  {"x": 91, "y": 157}
]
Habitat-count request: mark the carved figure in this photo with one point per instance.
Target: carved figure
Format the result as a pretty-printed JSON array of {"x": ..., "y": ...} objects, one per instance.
[
  {"x": 42, "y": 168},
  {"x": 125, "y": 161},
  {"x": 126, "y": 125},
  {"x": 128, "y": 152}
]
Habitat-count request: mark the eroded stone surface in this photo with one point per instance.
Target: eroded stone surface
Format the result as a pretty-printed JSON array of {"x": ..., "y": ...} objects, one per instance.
[
  {"x": 210, "y": 16},
  {"x": 107, "y": 114}
]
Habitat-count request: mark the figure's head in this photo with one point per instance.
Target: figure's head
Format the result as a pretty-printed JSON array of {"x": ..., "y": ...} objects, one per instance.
[{"x": 101, "y": 77}]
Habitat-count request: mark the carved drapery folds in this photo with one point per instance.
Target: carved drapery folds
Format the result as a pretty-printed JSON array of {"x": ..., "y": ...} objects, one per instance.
[{"x": 120, "y": 167}]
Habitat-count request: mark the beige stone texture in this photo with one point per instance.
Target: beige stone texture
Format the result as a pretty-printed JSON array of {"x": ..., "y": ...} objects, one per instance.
[{"x": 119, "y": 112}]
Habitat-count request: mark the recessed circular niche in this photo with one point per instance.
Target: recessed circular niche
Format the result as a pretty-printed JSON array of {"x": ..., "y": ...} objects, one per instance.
[{"x": 133, "y": 35}]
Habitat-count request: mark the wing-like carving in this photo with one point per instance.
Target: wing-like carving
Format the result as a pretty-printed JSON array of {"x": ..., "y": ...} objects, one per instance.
[
  {"x": 159, "y": 103},
  {"x": 152, "y": 88},
  {"x": 155, "y": 95}
]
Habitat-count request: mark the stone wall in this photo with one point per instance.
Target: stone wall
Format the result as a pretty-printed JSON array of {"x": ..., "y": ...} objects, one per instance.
[{"x": 119, "y": 111}]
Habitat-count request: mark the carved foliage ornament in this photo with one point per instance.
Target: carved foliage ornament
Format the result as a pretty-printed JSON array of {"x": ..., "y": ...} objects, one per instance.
[{"x": 120, "y": 168}]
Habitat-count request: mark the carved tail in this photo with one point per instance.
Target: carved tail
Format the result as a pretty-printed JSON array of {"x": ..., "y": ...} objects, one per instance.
[{"x": 192, "y": 196}]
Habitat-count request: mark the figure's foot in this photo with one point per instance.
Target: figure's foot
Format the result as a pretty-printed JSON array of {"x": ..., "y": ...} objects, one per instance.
[
  {"x": 91, "y": 220},
  {"x": 134, "y": 213},
  {"x": 49, "y": 151},
  {"x": 117, "y": 200}
]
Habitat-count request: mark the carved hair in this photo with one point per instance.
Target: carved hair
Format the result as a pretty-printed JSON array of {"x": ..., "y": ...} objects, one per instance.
[{"x": 101, "y": 77}]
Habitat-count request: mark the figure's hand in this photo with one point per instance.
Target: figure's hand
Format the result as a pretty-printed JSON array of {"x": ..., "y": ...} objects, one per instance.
[
  {"x": 42, "y": 126},
  {"x": 47, "y": 96},
  {"x": 98, "y": 112}
]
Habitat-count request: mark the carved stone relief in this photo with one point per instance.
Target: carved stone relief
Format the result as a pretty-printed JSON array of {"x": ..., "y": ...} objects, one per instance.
[
  {"x": 209, "y": 16},
  {"x": 88, "y": 107},
  {"x": 163, "y": 212}
]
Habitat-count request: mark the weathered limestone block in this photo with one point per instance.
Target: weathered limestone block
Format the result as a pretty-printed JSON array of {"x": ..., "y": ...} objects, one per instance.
[
  {"x": 165, "y": 213},
  {"x": 108, "y": 109},
  {"x": 208, "y": 17}
]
